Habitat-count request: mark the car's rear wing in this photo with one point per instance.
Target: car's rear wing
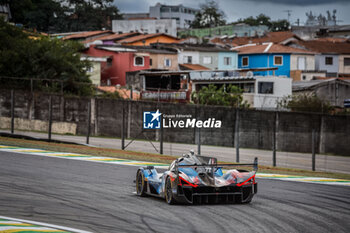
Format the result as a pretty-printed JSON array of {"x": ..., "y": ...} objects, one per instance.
[{"x": 213, "y": 164}]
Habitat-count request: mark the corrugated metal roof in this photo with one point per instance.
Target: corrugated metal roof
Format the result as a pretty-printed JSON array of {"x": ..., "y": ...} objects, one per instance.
[
  {"x": 310, "y": 85},
  {"x": 86, "y": 34},
  {"x": 145, "y": 72},
  {"x": 113, "y": 37},
  {"x": 116, "y": 49},
  {"x": 227, "y": 78},
  {"x": 194, "y": 47},
  {"x": 218, "y": 76}
]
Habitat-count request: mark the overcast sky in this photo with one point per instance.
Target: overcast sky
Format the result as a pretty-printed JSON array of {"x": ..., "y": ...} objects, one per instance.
[{"x": 235, "y": 9}]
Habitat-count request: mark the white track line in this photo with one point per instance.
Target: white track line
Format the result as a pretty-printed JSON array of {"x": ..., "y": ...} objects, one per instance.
[{"x": 56, "y": 227}]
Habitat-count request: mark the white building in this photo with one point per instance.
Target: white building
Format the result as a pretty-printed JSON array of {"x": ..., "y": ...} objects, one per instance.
[
  {"x": 184, "y": 16},
  {"x": 149, "y": 26},
  {"x": 260, "y": 92},
  {"x": 268, "y": 91}
]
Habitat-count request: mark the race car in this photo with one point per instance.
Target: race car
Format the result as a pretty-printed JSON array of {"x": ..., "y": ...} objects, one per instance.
[{"x": 195, "y": 179}]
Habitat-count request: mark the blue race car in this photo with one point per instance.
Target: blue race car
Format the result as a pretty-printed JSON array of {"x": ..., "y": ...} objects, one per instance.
[{"x": 197, "y": 179}]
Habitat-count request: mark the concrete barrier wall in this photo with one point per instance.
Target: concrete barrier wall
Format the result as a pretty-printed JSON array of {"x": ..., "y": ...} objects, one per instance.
[
  {"x": 256, "y": 128},
  {"x": 38, "y": 125}
]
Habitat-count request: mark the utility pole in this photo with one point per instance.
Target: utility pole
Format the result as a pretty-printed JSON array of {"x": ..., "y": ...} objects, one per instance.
[{"x": 288, "y": 13}]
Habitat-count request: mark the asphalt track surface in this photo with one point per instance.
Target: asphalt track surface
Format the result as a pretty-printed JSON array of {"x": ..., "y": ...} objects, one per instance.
[{"x": 99, "y": 198}]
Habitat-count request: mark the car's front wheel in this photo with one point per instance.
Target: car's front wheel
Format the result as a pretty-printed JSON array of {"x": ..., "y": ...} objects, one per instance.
[{"x": 168, "y": 192}]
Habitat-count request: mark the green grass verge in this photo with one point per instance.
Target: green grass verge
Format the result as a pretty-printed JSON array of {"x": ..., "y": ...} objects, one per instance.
[{"x": 150, "y": 157}]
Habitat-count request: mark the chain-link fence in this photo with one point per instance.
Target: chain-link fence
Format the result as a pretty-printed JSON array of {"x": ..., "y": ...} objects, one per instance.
[{"x": 285, "y": 139}]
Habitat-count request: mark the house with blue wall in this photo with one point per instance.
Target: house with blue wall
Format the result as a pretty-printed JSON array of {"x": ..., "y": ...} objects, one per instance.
[{"x": 269, "y": 55}]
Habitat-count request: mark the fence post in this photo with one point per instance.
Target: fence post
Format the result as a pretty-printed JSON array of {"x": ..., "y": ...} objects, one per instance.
[
  {"x": 12, "y": 111},
  {"x": 313, "y": 149},
  {"x": 88, "y": 122},
  {"x": 199, "y": 141},
  {"x": 237, "y": 135},
  {"x": 61, "y": 87},
  {"x": 50, "y": 117},
  {"x": 31, "y": 85},
  {"x": 128, "y": 132},
  {"x": 161, "y": 140},
  {"x": 123, "y": 123},
  {"x": 274, "y": 140}
]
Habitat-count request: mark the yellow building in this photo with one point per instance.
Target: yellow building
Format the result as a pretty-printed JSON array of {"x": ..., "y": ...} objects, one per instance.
[{"x": 94, "y": 71}]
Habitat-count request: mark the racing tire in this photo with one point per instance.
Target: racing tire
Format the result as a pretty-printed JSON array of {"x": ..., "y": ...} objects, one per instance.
[
  {"x": 169, "y": 198},
  {"x": 140, "y": 184}
]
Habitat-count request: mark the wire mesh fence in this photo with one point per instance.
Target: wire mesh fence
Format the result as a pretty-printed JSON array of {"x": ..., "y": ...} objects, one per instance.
[
  {"x": 284, "y": 139},
  {"x": 47, "y": 85}
]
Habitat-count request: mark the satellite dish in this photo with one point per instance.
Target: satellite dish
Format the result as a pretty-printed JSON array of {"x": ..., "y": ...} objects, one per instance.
[{"x": 250, "y": 74}]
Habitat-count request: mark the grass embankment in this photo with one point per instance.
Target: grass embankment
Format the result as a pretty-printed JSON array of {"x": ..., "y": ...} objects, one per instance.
[{"x": 140, "y": 156}]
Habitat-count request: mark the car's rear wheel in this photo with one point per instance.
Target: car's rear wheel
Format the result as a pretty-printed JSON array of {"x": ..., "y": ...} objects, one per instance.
[
  {"x": 168, "y": 192},
  {"x": 140, "y": 184}
]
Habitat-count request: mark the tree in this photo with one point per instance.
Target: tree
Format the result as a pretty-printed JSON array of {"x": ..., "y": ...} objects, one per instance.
[
  {"x": 258, "y": 20},
  {"x": 41, "y": 58},
  {"x": 305, "y": 103},
  {"x": 63, "y": 15},
  {"x": 85, "y": 15},
  {"x": 226, "y": 95},
  {"x": 209, "y": 16},
  {"x": 41, "y": 15},
  {"x": 279, "y": 25}
]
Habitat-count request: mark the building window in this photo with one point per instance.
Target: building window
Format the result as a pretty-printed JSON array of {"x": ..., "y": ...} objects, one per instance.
[
  {"x": 277, "y": 60},
  {"x": 304, "y": 77},
  {"x": 301, "y": 63},
  {"x": 329, "y": 61},
  {"x": 150, "y": 62},
  {"x": 157, "y": 30},
  {"x": 245, "y": 61},
  {"x": 265, "y": 88},
  {"x": 248, "y": 87},
  {"x": 139, "y": 61},
  {"x": 109, "y": 62},
  {"x": 166, "y": 30},
  {"x": 167, "y": 62},
  {"x": 206, "y": 60},
  {"x": 346, "y": 61},
  {"x": 227, "y": 61},
  {"x": 188, "y": 59},
  {"x": 90, "y": 69},
  {"x": 175, "y": 9}
]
